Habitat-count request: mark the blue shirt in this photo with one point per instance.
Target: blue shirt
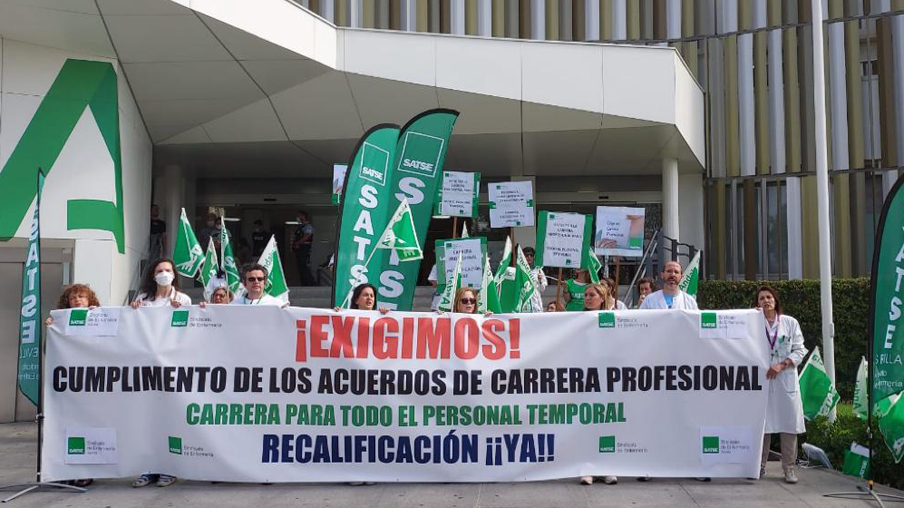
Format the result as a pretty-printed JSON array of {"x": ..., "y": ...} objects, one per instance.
[{"x": 669, "y": 299}]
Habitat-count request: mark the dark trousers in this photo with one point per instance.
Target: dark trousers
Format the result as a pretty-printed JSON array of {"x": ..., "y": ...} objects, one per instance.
[{"x": 303, "y": 260}]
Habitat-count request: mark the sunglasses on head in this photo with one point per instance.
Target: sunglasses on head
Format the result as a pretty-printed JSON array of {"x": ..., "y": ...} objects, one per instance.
[
  {"x": 468, "y": 301},
  {"x": 256, "y": 279}
]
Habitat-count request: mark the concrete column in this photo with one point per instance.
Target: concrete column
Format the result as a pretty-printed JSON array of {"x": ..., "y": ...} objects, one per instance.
[
  {"x": 591, "y": 20},
  {"x": 457, "y": 17},
  {"x": 795, "y": 226},
  {"x": 354, "y": 9},
  {"x": 328, "y": 10},
  {"x": 670, "y": 198},
  {"x": 485, "y": 18},
  {"x": 690, "y": 209},
  {"x": 776, "y": 93}
]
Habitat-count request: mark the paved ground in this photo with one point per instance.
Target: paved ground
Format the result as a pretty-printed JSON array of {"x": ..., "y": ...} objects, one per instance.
[{"x": 17, "y": 459}]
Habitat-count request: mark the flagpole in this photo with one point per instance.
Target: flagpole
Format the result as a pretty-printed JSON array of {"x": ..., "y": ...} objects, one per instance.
[
  {"x": 455, "y": 227},
  {"x": 558, "y": 286},
  {"x": 39, "y": 416}
]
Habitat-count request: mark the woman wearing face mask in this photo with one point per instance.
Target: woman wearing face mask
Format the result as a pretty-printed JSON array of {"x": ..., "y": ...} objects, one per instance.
[
  {"x": 596, "y": 298},
  {"x": 160, "y": 288}
]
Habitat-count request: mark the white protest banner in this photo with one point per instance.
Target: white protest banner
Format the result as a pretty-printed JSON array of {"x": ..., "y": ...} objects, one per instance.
[
  {"x": 458, "y": 194},
  {"x": 339, "y": 171},
  {"x": 561, "y": 238},
  {"x": 511, "y": 204},
  {"x": 619, "y": 231},
  {"x": 265, "y": 394},
  {"x": 472, "y": 251}
]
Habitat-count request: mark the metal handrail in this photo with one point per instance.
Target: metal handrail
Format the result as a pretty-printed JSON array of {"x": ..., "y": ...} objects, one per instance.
[{"x": 642, "y": 268}]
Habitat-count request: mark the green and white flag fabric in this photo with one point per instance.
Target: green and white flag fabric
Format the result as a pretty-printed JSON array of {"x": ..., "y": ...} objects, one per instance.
[
  {"x": 887, "y": 344},
  {"x": 488, "y": 300},
  {"x": 817, "y": 392},
  {"x": 417, "y": 170},
  {"x": 860, "y": 390},
  {"x": 364, "y": 211},
  {"x": 593, "y": 264},
  {"x": 464, "y": 230},
  {"x": 208, "y": 271},
  {"x": 453, "y": 284},
  {"x": 691, "y": 276},
  {"x": 505, "y": 262},
  {"x": 891, "y": 425},
  {"x": 400, "y": 235},
  {"x": 524, "y": 284},
  {"x": 276, "y": 278},
  {"x": 233, "y": 275},
  {"x": 30, "y": 326},
  {"x": 188, "y": 254}
]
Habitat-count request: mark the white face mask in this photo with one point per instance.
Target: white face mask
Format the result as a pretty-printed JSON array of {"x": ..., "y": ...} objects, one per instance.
[{"x": 164, "y": 278}]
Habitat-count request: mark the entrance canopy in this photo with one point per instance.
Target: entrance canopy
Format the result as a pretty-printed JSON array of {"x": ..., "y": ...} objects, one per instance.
[{"x": 233, "y": 88}]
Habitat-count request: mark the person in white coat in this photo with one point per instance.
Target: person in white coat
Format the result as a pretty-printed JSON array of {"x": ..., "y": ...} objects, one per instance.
[
  {"x": 784, "y": 409},
  {"x": 254, "y": 278},
  {"x": 670, "y": 296}
]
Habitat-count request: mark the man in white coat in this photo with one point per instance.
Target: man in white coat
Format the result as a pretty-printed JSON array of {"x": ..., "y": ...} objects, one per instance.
[
  {"x": 254, "y": 278},
  {"x": 670, "y": 297}
]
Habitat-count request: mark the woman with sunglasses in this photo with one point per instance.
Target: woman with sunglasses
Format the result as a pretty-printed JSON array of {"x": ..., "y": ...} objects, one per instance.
[{"x": 596, "y": 298}]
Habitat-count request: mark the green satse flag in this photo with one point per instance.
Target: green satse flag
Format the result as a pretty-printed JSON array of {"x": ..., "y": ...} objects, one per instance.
[
  {"x": 887, "y": 358},
  {"x": 400, "y": 235},
  {"x": 30, "y": 327},
  {"x": 505, "y": 262},
  {"x": 464, "y": 230},
  {"x": 233, "y": 276},
  {"x": 209, "y": 269},
  {"x": 364, "y": 211},
  {"x": 524, "y": 283},
  {"x": 688, "y": 282},
  {"x": 187, "y": 254},
  {"x": 488, "y": 300},
  {"x": 817, "y": 392},
  {"x": 453, "y": 284},
  {"x": 593, "y": 264},
  {"x": 860, "y": 391},
  {"x": 891, "y": 425},
  {"x": 417, "y": 170},
  {"x": 276, "y": 279}
]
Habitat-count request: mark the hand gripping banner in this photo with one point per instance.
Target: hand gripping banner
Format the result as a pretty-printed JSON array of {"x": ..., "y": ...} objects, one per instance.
[{"x": 264, "y": 394}]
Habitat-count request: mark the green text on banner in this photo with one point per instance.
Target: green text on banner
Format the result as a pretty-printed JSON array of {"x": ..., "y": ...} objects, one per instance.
[
  {"x": 366, "y": 205},
  {"x": 263, "y": 394},
  {"x": 30, "y": 315},
  {"x": 416, "y": 173}
]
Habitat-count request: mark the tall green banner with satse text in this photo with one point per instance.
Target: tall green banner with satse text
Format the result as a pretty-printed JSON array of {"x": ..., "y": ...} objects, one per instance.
[
  {"x": 366, "y": 204},
  {"x": 30, "y": 326},
  {"x": 418, "y": 169},
  {"x": 887, "y": 313}
]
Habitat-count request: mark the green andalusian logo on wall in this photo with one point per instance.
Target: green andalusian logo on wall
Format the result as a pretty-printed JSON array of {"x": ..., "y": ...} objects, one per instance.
[{"x": 80, "y": 84}]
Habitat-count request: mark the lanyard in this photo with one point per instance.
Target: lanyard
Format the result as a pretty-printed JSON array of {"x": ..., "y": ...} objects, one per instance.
[{"x": 774, "y": 337}]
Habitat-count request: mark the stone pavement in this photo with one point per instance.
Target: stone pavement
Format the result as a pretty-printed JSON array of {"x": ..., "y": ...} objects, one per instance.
[{"x": 17, "y": 459}]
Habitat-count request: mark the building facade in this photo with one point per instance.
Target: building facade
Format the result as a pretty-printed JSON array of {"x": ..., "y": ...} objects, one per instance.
[{"x": 754, "y": 60}]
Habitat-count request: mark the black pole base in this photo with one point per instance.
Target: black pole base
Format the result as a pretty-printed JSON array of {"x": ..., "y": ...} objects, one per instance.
[
  {"x": 32, "y": 486},
  {"x": 864, "y": 492}
]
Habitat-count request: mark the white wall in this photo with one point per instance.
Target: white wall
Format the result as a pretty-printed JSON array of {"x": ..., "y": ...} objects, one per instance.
[{"x": 84, "y": 169}]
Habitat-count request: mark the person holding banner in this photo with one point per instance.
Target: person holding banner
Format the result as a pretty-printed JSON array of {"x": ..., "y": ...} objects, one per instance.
[
  {"x": 364, "y": 297},
  {"x": 254, "y": 276},
  {"x": 76, "y": 296},
  {"x": 465, "y": 302},
  {"x": 596, "y": 298},
  {"x": 160, "y": 287},
  {"x": 574, "y": 290},
  {"x": 784, "y": 409},
  {"x": 670, "y": 296}
]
